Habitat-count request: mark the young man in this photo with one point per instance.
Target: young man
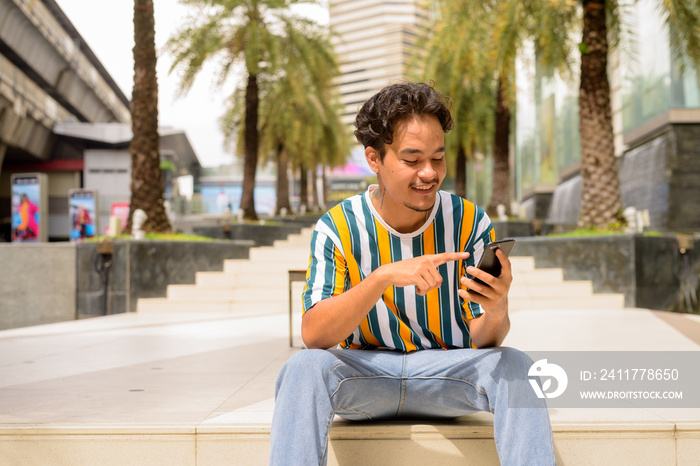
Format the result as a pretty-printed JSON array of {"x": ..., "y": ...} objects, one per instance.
[{"x": 386, "y": 283}]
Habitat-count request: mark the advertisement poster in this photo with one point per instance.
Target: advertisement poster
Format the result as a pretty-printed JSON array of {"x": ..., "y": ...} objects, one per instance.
[
  {"x": 27, "y": 206},
  {"x": 82, "y": 208},
  {"x": 121, "y": 211}
]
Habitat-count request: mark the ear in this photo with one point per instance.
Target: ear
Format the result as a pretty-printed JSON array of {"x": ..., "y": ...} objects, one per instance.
[{"x": 373, "y": 159}]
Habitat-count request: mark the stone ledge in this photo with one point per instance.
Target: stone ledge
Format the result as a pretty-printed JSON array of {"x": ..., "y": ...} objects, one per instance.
[
  {"x": 643, "y": 268},
  {"x": 450, "y": 443}
]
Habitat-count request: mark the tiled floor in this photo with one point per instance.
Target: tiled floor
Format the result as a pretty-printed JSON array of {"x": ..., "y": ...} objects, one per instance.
[
  {"x": 214, "y": 373},
  {"x": 189, "y": 367}
]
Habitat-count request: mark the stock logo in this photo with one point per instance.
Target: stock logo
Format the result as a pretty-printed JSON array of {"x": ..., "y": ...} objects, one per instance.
[{"x": 549, "y": 372}]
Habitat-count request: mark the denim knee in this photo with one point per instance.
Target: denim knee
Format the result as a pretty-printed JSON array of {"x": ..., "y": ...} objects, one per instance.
[
  {"x": 516, "y": 359},
  {"x": 509, "y": 364},
  {"x": 305, "y": 367}
]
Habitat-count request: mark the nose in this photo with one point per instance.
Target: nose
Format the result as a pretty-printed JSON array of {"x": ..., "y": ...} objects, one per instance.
[{"x": 427, "y": 171}]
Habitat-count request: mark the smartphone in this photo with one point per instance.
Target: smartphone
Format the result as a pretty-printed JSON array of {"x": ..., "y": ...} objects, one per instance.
[{"x": 489, "y": 262}]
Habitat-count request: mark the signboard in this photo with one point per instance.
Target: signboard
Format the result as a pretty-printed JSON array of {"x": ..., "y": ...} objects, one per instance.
[
  {"x": 340, "y": 189},
  {"x": 29, "y": 204},
  {"x": 121, "y": 211},
  {"x": 82, "y": 208}
]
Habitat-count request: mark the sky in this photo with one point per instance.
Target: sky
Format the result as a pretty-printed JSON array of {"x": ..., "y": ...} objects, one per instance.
[{"x": 107, "y": 27}]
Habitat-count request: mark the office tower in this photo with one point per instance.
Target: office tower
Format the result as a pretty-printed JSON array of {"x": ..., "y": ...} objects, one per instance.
[{"x": 373, "y": 41}]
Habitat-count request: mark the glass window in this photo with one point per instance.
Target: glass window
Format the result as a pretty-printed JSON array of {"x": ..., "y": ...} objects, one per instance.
[{"x": 651, "y": 82}]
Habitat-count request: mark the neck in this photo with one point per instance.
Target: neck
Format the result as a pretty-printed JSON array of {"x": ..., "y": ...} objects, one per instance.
[{"x": 403, "y": 219}]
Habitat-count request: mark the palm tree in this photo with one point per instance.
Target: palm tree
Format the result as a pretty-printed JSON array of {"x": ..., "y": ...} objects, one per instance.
[
  {"x": 601, "y": 201},
  {"x": 146, "y": 177},
  {"x": 317, "y": 137},
  {"x": 239, "y": 32},
  {"x": 299, "y": 119},
  {"x": 336, "y": 139},
  {"x": 550, "y": 23}
]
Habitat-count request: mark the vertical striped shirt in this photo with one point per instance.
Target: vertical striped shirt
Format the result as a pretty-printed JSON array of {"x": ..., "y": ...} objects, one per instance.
[{"x": 351, "y": 240}]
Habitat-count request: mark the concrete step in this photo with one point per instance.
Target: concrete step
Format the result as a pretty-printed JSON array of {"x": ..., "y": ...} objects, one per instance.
[
  {"x": 578, "y": 289},
  {"x": 264, "y": 279},
  {"x": 245, "y": 273},
  {"x": 248, "y": 294},
  {"x": 284, "y": 253},
  {"x": 563, "y": 296},
  {"x": 280, "y": 278},
  {"x": 299, "y": 240},
  {"x": 538, "y": 276},
  {"x": 275, "y": 254},
  {"x": 263, "y": 267},
  {"x": 522, "y": 263},
  {"x": 531, "y": 284},
  {"x": 274, "y": 278},
  {"x": 267, "y": 260},
  {"x": 607, "y": 301},
  {"x": 230, "y": 300},
  {"x": 545, "y": 284},
  {"x": 467, "y": 440},
  {"x": 148, "y": 305}
]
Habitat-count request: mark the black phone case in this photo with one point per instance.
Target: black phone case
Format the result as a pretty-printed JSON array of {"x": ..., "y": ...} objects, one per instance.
[{"x": 489, "y": 262}]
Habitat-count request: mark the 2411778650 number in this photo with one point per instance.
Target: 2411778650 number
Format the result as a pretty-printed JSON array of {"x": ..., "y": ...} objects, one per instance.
[{"x": 638, "y": 374}]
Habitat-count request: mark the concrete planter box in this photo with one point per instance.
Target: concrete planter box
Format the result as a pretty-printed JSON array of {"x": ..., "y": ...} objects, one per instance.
[
  {"x": 38, "y": 284},
  {"x": 261, "y": 235},
  {"x": 55, "y": 282},
  {"x": 144, "y": 269},
  {"x": 511, "y": 229},
  {"x": 650, "y": 271}
]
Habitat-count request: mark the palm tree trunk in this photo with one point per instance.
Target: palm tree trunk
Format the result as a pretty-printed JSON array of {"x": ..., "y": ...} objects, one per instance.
[
  {"x": 461, "y": 172},
  {"x": 303, "y": 188},
  {"x": 146, "y": 176},
  {"x": 500, "y": 191},
  {"x": 282, "y": 180},
  {"x": 315, "y": 201},
  {"x": 324, "y": 183},
  {"x": 601, "y": 203},
  {"x": 251, "y": 149}
]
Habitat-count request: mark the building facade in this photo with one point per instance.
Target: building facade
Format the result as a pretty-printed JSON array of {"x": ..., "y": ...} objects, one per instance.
[
  {"x": 373, "y": 40},
  {"x": 656, "y": 119},
  {"x": 62, "y": 116}
]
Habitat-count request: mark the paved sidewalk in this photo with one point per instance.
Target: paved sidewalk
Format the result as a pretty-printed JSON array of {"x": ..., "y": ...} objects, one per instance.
[
  {"x": 190, "y": 367},
  {"x": 197, "y": 372}
]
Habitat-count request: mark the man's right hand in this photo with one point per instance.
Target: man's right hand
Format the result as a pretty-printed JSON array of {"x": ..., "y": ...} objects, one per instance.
[{"x": 420, "y": 271}]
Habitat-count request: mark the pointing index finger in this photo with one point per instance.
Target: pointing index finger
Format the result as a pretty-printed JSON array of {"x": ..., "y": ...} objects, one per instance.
[{"x": 445, "y": 257}]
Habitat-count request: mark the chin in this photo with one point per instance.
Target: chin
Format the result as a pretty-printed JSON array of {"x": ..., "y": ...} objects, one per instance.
[{"x": 421, "y": 208}]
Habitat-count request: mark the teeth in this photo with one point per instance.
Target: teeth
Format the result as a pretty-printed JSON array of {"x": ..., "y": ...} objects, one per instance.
[{"x": 423, "y": 188}]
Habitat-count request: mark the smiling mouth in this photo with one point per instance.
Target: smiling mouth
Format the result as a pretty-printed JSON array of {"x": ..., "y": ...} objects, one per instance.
[{"x": 426, "y": 186}]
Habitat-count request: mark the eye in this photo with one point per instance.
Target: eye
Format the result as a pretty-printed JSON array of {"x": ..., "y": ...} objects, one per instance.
[{"x": 410, "y": 162}]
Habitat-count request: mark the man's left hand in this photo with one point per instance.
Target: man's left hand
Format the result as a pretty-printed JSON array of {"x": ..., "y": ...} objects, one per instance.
[{"x": 492, "y": 294}]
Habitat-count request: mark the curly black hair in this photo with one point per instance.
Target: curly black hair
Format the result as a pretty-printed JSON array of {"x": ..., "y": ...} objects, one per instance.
[{"x": 378, "y": 116}]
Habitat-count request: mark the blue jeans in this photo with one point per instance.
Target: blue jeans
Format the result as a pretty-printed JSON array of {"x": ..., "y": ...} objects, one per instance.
[{"x": 315, "y": 385}]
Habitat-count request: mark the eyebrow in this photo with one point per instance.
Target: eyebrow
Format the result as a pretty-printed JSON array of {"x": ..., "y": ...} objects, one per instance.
[{"x": 411, "y": 151}]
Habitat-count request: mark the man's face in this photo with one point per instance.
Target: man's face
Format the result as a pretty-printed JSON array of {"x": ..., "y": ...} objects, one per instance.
[{"x": 411, "y": 172}]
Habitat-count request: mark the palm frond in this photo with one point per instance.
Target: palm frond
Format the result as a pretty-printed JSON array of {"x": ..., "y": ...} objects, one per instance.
[{"x": 682, "y": 18}]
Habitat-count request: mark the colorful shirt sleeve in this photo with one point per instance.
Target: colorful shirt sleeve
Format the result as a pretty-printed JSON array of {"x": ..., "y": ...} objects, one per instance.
[{"x": 327, "y": 273}]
